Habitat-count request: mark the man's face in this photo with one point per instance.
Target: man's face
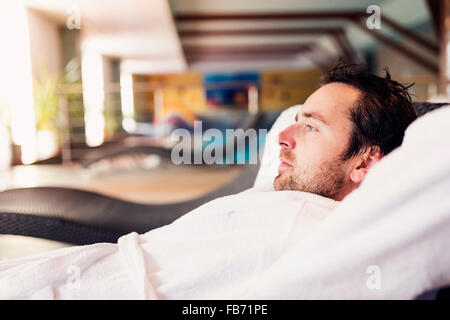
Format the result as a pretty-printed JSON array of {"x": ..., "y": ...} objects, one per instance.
[{"x": 312, "y": 148}]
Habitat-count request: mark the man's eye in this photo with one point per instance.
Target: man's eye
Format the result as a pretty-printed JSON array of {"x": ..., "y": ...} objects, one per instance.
[{"x": 311, "y": 128}]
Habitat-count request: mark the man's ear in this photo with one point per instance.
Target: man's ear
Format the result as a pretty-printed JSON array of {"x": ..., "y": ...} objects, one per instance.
[{"x": 365, "y": 162}]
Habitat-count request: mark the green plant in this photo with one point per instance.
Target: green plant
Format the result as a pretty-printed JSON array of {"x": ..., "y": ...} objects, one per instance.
[{"x": 45, "y": 99}]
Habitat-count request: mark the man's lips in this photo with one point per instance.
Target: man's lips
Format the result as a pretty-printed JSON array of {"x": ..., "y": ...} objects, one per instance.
[{"x": 284, "y": 163}]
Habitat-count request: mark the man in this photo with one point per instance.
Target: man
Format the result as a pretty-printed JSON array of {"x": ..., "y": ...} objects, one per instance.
[
  {"x": 218, "y": 249},
  {"x": 343, "y": 128}
]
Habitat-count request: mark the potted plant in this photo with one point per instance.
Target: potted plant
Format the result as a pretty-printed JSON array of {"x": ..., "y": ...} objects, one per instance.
[{"x": 46, "y": 112}]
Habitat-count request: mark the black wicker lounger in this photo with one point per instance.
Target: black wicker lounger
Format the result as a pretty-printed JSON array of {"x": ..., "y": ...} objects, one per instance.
[{"x": 83, "y": 217}]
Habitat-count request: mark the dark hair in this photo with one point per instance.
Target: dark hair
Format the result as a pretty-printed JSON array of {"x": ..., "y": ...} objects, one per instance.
[{"x": 381, "y": 114}]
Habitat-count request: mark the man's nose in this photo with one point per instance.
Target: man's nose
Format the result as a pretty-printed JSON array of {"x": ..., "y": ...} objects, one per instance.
[{"x": 286, "y": 138}]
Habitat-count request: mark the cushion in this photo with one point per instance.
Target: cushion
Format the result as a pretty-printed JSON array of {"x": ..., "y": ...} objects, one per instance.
[{"x": 270, "y": 159}]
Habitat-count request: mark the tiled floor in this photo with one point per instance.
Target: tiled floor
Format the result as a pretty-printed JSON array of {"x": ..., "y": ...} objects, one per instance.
[
  {"x": 17, "y": 246},
  {"x": 164, "y": 184}
]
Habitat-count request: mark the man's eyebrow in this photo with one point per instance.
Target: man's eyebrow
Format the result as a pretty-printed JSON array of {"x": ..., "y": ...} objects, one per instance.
[{"x": 313, "y": 115}]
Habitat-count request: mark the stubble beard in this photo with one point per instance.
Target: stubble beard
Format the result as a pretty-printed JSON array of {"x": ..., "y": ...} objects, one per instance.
[{"x": 326, "y": 180}]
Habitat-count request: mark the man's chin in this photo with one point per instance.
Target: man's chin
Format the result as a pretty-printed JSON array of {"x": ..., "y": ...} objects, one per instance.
[
  {"x": 280, "y": 183},
  {"x": 275, "y": 184}
]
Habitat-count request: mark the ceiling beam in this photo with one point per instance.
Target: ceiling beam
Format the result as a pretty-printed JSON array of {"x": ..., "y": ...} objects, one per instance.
[
  {"x": 313, "y": 52},
  {"x": 425, "y": 43},
  {"x": 190, "y": 17},
  {"x": 257, "y": 32},
  {"x": 244, "y": 50},
  {"x": 338, "y": 33},
  {"x": 244, "y": 53},
  {"x": 316, "y": 54},
  {"x": 397, "y": 46},
  {"x": 272, "y": 57},
  {"x": 347, "y": 15}
]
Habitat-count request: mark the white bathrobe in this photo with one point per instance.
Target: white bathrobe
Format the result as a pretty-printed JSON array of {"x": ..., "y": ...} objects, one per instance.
[{"x": 210, "y": 253}]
